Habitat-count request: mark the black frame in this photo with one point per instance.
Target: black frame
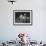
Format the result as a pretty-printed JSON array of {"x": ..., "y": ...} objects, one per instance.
[{"x": 31, "y": 17}]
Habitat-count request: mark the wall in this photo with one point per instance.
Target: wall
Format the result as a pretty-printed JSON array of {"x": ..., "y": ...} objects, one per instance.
[{"x": 38, "y": 30}]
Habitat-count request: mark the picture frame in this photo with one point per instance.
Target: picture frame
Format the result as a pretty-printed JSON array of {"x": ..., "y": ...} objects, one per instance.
[{"x": 22, "y": 17}]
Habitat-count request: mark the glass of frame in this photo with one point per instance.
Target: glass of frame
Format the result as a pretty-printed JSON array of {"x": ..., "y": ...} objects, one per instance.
[{"x": 22, "y": 17}]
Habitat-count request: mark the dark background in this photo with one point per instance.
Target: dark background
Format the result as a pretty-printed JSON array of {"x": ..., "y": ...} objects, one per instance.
[{"x": 17, "y": 14}]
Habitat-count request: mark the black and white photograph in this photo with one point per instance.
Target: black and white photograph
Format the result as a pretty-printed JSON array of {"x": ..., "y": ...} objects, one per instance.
[{"x": 22, "y": 16}]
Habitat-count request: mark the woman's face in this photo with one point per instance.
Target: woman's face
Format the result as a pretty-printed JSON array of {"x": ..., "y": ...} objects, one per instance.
[{"x": 21, "y": 16}]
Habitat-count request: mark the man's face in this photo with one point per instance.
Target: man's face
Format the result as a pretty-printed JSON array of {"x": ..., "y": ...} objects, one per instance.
[{"x": 25, "y": 14}]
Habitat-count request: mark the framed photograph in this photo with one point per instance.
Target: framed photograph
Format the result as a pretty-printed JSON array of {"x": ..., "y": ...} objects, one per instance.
[{"x": 22, "y": 17}]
